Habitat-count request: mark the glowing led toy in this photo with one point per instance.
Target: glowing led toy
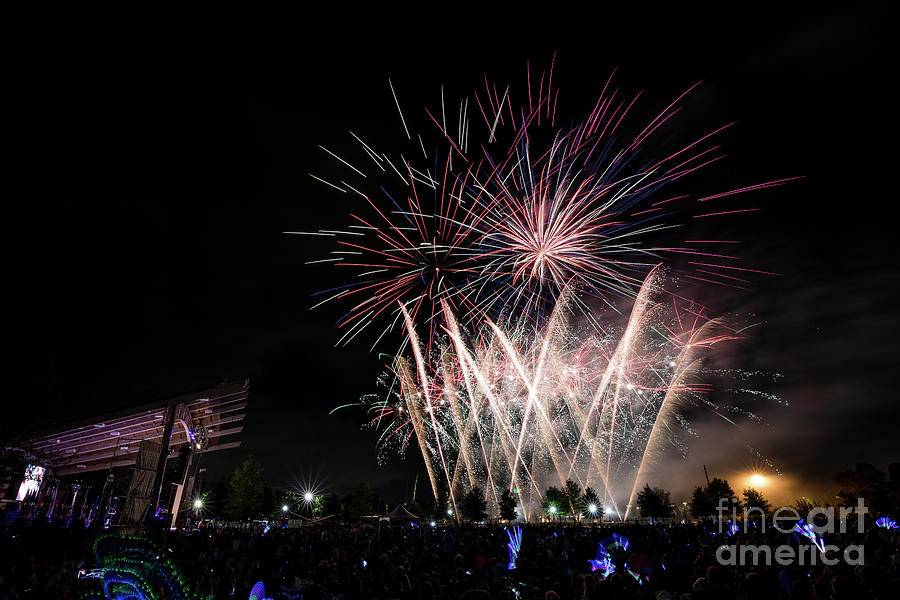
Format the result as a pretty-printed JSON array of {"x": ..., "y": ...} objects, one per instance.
[
  {"x": 806, "y": 530},
  {"x": 514, "y": 545},
  {"x": 133, "y": 567},
  {"x": 258, "y": 592},
  {"x": 614, "y": 542},
  {"x": 603, "y": 561}
]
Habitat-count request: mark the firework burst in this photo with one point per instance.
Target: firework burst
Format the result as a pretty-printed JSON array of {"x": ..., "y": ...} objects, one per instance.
[
  {"x": 492, "y": 259},
  {"x": 502, "y": 227}
]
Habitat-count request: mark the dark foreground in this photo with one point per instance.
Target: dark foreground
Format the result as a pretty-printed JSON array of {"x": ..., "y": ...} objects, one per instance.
[{"x": 363, "y": 562}]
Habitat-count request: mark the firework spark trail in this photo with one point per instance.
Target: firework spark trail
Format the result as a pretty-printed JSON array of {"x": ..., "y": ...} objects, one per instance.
[
  {"x": 504, "y": 433},
  {"x": 407, "y": 385},
  {"x": 501, "y": 435},
  {"x": 512, "y": 406},
  {"x": 453, "y": 330},
  {"x": 429, "y": 407},
  {"x": 532, "y": 392},
  {"x": 615, "y": 369},
  {"x": 663, "y": 416}
]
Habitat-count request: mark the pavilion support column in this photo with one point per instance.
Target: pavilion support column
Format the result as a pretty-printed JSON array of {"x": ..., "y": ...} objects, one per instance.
[
  {"x": 160, "y": 465},
  {"x": 176, "y": 507}
]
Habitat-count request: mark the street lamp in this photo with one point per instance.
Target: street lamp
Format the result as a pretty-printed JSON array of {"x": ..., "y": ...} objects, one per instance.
[
  {"x": 592, "y": 509},
  {"x": 198, "y": 504},
  {"x": 284, "y": 508},
  {"x": 308, "y": 496}
]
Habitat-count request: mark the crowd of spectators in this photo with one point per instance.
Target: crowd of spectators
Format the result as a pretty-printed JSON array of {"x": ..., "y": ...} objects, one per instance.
[{"x": 417, "y": 561}]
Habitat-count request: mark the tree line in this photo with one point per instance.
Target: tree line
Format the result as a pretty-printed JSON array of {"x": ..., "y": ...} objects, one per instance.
[{"x": 246, "y": 496}]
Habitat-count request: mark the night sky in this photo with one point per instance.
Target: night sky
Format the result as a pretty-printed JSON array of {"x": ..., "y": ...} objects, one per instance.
[{"x": 152, "y": 160}]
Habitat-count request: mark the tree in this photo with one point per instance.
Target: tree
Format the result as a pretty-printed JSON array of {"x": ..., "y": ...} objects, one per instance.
[
  {"x": 297, "y": 503},
  {"x": 217, "y": 500},
  {"x": 426, "y": 506},
  {"x": 700, "y": 503},
  {"x": 245, "y": 491},
  {"x": 291, "y": 499},
  {"x": 269, "y": 501},
  {"x": 473, "y": 506},
  {"x": 804, "y": 505},
  {"x": 705, "y": 501},
  {"x": 718, "y": 489},
  {"x": 867, "y": 482},
  {"x": 508, "y": 506},
  {"x": 346, "y": 502},
  {"x": 415, "y": 508},
  {"x": 363, "y": 503},
  {"x": 654, "y": 503},
  {"x": 590, "y": 499},
  {"x": 315, "y": 506},
  {"x": 332, "y": 506},
  {"x": 554, "y": 502},
  {"x": 572, "y": 492},
  {"x": 440, "y": 506},
  {"x": 754, "y": 499}
]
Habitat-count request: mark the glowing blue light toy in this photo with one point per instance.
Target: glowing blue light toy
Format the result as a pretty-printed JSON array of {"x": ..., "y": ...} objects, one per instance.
[
  {"x": 604, "y": 560},
  {"x": 615, "y": 541},
  {"x": 258, "y": 592},
  {"x": 514, "y": 545},
  {"x": 806, "y": 530}
]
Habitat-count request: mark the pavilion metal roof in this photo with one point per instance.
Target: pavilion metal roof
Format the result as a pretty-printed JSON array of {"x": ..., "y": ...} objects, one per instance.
[{"x": 113, "y": 439}]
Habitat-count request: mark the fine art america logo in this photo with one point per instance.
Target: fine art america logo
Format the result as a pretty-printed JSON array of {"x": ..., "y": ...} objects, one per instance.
[{"x": 809, "y": 547}]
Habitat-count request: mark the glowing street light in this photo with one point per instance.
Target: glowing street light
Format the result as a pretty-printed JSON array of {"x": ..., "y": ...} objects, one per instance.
[
  {"x": 449, "y": 512},
  {"x": 198, "y": 503},
  {"x": 592, "y": 509},
  {"x": 284, "y": 508},
  {"x": 552, "y": 510},
  {"x": 308, "y": 496}
]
